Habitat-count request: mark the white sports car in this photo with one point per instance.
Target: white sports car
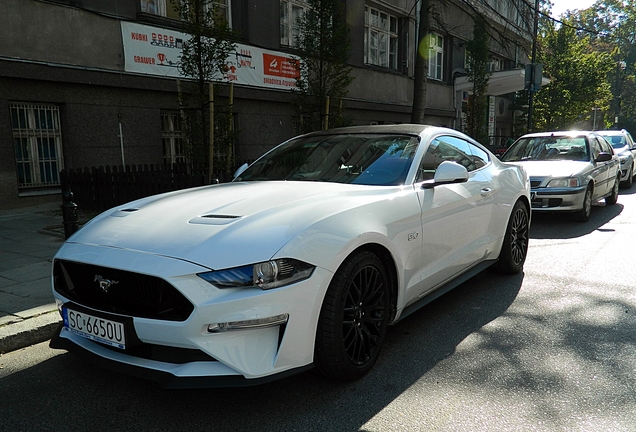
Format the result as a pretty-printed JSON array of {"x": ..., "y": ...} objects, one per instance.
[{"x": 301, "y": 262}]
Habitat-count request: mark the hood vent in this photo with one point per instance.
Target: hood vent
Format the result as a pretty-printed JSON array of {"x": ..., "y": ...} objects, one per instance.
[
  {"x": 214, "y": 219},
  {"x": 123, "y": 212}
]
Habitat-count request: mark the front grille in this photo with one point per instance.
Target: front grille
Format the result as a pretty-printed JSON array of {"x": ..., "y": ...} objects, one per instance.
[
  {"x": 534, "y": 183},
  {"x": 119, "y": 291},
  {"x": 546, "y": 202}
]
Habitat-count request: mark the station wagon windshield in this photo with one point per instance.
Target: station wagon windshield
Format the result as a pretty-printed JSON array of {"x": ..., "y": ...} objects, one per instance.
[{"x": 548, "y": 148}]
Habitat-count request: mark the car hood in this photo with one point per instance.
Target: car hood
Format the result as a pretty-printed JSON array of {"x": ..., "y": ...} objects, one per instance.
[
  {"x": 621, "y": 150},
  {"x": 223, "y": 225},
  {"x": 560, "y": 168}
]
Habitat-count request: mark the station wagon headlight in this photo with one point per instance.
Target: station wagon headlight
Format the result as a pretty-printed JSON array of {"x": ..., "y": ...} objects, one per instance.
[
  {"x": 264, "y": 275},
  {"x": 564, "y": 182}
]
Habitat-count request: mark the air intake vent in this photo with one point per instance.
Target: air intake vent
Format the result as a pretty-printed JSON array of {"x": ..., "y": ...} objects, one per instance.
[{"x": 214, "y": 219}]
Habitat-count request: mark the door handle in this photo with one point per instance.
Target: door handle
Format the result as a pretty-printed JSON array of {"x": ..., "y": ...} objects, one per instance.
[{"x": 485, "y": 191}]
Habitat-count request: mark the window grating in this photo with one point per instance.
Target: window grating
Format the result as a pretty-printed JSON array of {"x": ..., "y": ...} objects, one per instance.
[{"x": 37, "y": 142}]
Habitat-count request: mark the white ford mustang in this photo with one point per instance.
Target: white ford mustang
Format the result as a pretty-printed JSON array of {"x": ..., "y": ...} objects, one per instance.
[{"x": 302, "y": 261}]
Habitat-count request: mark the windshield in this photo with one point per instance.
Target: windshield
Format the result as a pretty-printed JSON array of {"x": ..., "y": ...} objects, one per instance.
[
  {"x": 548, "y": 148},
  {"x": 617, "y": 141},
  {"x": 366, "y": 159}
]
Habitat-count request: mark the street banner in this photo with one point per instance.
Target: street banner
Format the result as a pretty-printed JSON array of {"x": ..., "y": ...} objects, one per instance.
[{"x": 157, "y": 51}]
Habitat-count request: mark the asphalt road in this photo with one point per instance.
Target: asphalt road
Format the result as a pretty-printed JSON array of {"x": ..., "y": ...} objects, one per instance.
[{"x": 552, "y": 349}]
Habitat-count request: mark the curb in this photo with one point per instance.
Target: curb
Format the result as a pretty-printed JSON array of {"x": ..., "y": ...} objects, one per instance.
[{"x": 30, "y": 331}]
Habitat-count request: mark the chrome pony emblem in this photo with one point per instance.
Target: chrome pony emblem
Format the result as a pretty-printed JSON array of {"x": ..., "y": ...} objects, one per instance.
[{"x": 104, "y": 284}]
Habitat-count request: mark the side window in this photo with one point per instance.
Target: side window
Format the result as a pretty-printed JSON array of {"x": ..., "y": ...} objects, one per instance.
[
  {"x": 605, "y": 146},
  {"x": 480, "y": 157},
  {"x": 595, "y": 148},
  {"x": 447, "y": 148}
]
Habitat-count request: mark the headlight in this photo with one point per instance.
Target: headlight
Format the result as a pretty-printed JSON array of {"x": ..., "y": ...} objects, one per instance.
[
  {"x": 622, "y": 158},
  {"x": 564, "y": 182},
  {"x": 265, "y": 275}
]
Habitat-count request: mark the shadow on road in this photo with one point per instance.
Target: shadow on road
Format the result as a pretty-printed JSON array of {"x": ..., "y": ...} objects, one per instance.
[{"x": 562, "y": 226}]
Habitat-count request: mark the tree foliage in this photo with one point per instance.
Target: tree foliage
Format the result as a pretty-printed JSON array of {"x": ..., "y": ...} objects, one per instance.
[
  {"x": 323, "y": 50},
  {"x": 578, "y": 78},
  {"x": 203, "y": 61}
]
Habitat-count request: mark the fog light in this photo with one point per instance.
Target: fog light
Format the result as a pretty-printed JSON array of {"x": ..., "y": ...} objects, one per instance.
[{"x": 248, "y": 324}]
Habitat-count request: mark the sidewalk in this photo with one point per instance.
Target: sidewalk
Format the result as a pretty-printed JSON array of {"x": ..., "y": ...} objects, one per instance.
[{"x": 29, "y": 238}]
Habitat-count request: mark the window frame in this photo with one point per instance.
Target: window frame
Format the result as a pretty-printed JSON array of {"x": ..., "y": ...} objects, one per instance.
[
  {"x": 289, "y": 29},
  {"x": 387, "y": 34},
  {"x": 172, "y": 138},
  {"x": 164, "y": 8},
  {"x": 37, "y": 150},
  {"x": 436, "y": 56}
]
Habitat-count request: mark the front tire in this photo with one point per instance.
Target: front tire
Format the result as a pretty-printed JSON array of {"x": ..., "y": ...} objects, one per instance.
[
  {"x": 515, "y": 245},
  {"x": 583, "y": 215},
  {"x": 353, "y": 318},
  {"x": 613, "y": 197},
  {"x": 629, "y": 181}
]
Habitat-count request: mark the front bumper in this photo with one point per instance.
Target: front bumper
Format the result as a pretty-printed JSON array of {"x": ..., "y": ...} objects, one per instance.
[
  {"x": 557, "y": 199},
  {"x": 233, "y": 357}
]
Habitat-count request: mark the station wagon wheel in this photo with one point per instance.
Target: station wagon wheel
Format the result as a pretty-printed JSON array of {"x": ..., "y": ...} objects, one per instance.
[
  {"x": 515, "y": 245},
  {"x": 613, "y": 197},
  {"x": 629, "y": 181},
  {"x": 583, "y": 215},
  {"x": 353, "y": 318}
]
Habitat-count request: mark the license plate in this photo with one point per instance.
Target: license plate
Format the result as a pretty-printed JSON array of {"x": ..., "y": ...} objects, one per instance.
[{"x": 95, "y": 328}]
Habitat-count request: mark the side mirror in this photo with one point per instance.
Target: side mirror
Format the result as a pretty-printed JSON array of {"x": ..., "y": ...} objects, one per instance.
[
  {"x": 240, "y": 170},
  {"x": 603, "y": 157},
  {"x": 446, "y": 173}
]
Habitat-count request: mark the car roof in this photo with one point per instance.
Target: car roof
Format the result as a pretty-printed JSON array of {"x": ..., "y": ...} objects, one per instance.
[
  {"x": 569, "y": 133},
  {"x": 612, "y": 132},
  {"x": 413, "y": 129}
]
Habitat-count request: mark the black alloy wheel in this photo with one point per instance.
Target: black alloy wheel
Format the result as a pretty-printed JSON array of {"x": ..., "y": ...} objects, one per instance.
[
  {"x": 515, "y": 245},
  {"x": 353, "y": 319}
]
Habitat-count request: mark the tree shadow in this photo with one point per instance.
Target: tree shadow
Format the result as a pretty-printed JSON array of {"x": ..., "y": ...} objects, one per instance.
[{"x": 77, "y": 391}]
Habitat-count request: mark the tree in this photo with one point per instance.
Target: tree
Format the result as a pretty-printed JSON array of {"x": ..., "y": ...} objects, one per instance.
[
  {"x": 203, "y": 59},
  {"x": 578, "y": 77},
  {"x": 478, "y": 56},
  {"x": 324, "y": 75},
  {"x": 418, "y": 113}
]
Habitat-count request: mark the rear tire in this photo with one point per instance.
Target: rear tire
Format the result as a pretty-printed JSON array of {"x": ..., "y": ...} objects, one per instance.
[
  {"x": 515, "y": 245},
  {"x": 353, "y": 318},
  {"x": 583, "y": 215}
]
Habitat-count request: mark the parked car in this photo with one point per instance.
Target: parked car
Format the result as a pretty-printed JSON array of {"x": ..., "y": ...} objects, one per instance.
[
  {"x": 624, "y": 146},
  {"x": 569, "y": 171},
  {"x": 302, "y": 261}
]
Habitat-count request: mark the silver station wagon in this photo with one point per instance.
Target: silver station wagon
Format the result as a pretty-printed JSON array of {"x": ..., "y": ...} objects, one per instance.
[{"x": 568, "y": 170}]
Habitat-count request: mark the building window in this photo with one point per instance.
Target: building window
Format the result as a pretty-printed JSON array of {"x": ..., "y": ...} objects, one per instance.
[
  {"x": 290, "y": 12},
  {"x": 436, "y": 57},
  {"x": 380, "y": 38},
  {"x": 166, "y": 8},
  {"x": 172, "y": 138},
  {"x": 37, "y": 141}
]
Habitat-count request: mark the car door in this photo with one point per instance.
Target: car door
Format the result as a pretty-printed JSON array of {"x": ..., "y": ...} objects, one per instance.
[
  {"x": 455, "y": 217},
  {"x": 599, "y": 170},
  {"x": 613, "y": 166}
]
